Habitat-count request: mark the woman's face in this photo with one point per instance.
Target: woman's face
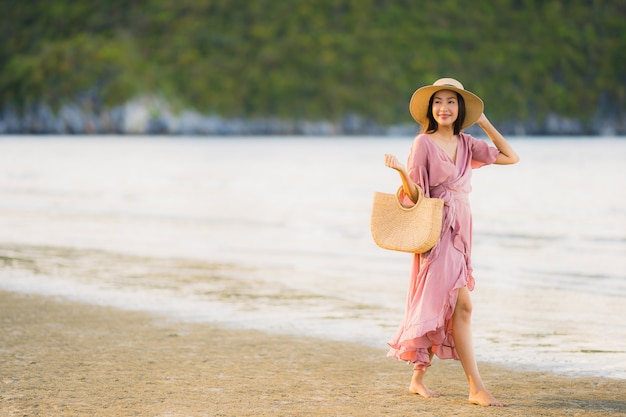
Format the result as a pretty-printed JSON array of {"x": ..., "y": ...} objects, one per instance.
[{"x": 445, "y": 107}]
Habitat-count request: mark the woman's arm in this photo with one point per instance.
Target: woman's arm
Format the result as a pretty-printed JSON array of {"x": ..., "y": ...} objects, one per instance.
[
  {"x": 407, "y": 185},
  {"x": 507, "y": 155}
]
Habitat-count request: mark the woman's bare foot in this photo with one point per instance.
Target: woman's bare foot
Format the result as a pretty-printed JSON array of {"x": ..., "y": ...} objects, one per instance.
[
  {"x": 485, "y": 399},
  {"x": 423, "y": 390}
]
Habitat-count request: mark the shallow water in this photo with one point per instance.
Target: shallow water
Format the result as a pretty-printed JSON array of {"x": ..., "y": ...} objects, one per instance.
[{"x": 273, "y": 233}]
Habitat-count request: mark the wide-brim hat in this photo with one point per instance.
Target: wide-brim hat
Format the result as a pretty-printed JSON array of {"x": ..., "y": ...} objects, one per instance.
[{"x": 418, "y": 106}]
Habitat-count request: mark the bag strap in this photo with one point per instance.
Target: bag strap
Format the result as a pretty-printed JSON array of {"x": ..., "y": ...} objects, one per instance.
[{"x": 420, "y": 195}]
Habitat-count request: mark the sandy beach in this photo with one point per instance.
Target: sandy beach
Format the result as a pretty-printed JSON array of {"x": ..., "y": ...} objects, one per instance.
[{"x": 62, "y": 358}]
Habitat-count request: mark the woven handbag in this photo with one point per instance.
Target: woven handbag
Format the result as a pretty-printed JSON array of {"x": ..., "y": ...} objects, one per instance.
[{"x": 413, "y": 229}]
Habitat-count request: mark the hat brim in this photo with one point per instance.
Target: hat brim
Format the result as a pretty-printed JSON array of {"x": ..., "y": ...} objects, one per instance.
[{"x": 418, "y": 105}]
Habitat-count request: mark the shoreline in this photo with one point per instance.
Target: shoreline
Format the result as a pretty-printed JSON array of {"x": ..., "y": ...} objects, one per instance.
[{"x": 67, "y": 358}]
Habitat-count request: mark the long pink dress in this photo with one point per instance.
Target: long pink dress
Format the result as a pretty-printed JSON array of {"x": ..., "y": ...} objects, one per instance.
[{"x": 437, "y": 275}]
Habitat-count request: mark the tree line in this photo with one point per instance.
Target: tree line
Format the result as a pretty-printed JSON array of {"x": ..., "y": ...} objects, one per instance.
[{"x": 317, "y": 59}]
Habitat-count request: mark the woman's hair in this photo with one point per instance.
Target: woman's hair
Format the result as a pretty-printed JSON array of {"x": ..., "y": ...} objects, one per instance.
[{"x": 432, "y": 123}]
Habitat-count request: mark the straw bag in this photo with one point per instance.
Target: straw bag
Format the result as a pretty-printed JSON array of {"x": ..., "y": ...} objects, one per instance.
[{"x": 407, "y": 229}]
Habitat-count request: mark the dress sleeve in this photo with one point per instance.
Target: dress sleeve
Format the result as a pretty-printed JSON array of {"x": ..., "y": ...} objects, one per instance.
[
  {"x": 482, "y": 153},
  {"x": 417, "y": 165}
]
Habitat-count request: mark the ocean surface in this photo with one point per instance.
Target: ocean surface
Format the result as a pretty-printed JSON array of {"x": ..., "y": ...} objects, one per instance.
[{"x": 273, "y": 234}]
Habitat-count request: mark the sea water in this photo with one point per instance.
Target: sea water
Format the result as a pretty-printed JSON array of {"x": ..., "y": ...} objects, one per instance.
[{"x": 272, "y": 233}]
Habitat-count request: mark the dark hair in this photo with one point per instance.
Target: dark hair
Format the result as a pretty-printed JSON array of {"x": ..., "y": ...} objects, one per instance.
[{"x": 432, "y": 123}]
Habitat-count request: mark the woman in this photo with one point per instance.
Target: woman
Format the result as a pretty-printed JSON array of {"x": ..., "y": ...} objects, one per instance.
[{"x": 438, "y": 309}]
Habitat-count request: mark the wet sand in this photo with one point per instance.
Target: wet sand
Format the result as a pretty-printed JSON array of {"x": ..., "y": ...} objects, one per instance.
[{"x": 60, "y": 358}]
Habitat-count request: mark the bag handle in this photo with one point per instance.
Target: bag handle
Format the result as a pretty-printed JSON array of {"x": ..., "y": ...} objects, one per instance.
[{"x": 420, "y": 197}]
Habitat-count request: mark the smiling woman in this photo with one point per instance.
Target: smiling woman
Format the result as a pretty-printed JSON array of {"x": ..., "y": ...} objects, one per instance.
[{"x": 438, "y": 310}]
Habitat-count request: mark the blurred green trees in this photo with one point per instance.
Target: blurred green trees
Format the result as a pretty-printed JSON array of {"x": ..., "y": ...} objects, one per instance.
[{"x": 318, "y": 59}]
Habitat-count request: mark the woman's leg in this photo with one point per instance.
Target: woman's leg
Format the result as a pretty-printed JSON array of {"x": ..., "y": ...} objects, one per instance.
[
  {"x": 462, "y": 333},
  {"x": 417, "y": 382}
]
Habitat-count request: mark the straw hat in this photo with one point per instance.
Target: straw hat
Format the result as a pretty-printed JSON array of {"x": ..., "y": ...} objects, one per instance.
[{"x": 419, "y": 102}]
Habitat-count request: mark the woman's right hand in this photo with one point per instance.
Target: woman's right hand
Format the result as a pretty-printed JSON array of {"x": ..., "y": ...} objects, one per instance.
[
  {"x": 392, "y": 162},
  {"x": 407, "y": 185}
]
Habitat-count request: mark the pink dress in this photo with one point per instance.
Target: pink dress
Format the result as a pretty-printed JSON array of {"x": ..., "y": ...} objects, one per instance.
[{"x": 436, "y": 276}]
